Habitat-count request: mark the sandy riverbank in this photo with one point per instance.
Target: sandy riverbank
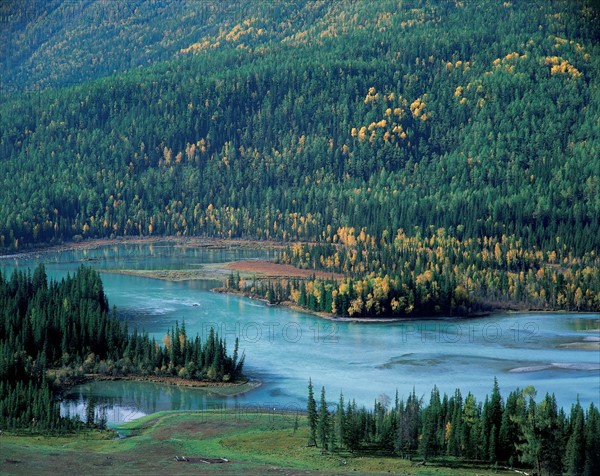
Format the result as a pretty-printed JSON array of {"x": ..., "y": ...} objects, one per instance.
[
  {"x": 212, "y": 271},
  {"x": 260, "y": 269},
  {"x": 269, "y": 269}
]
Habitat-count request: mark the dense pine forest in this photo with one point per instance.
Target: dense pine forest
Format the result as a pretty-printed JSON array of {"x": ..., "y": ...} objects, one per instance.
[
  {"x": 443, "y": 155},
  {"x": 518, "y": 432},
  {"x": 52, "y": 333}
]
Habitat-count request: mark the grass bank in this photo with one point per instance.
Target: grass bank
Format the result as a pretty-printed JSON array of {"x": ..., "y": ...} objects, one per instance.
[{"x": 224, "y": 442}]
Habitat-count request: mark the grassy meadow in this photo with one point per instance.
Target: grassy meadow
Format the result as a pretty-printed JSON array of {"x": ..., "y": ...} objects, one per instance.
[{"x": 252, "y": 443}]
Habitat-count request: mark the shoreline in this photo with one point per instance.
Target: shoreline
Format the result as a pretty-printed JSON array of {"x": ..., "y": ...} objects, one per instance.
[
  {"x": 287, "y": 304},
  {"x": 221, "y": 388},
  {"x": 205, "y": 272},
  {"x": 393, "y": 319},
  {"x": 140, "y": 240}
]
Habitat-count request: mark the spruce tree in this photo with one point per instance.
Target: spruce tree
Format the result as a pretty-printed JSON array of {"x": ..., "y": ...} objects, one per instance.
[
  {"x": 312, "y": 416},
  {"x": 493, "y": 423},
  {"x": 323, "y": 429},
  {"x": 575, "y": 454},
  {"x": 339, "y": 422},
  {"x": 592, "y": 442}
]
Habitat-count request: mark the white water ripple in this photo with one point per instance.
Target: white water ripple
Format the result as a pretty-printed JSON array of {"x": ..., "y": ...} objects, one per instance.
[{"x": 558, "y": 365}]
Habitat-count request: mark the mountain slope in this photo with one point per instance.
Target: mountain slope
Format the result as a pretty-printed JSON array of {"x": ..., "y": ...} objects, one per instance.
[
  {"x": 59, "y": 43},
  {"x": 339, "y": 121}
]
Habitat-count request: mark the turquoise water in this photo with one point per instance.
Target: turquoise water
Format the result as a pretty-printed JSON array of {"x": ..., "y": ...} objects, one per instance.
[{"x": 285, "y": 348}]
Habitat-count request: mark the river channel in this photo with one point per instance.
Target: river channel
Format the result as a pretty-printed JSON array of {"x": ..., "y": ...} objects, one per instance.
[{"x": 555, "y": 352}]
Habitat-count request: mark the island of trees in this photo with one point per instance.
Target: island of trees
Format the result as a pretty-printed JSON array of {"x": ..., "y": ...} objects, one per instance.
[
  {"x": 516, "y": 432},
  {"x": 52, "y": 333}
]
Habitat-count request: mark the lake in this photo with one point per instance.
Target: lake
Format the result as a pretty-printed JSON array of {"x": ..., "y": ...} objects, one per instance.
[{"x": 285, "y": 348}]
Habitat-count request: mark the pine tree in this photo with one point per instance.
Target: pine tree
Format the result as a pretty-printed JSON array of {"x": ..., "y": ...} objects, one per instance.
[
  {"x": 510, "y": 428},
  {"x": 340, "y": 422},
  {"x": 428, "y": 445},
  {"x": 493, "y": 422},
  {"x": 408, "y": 425},
  {"x": 592, "y": 442},
  {"x": 352, "y": 430},
  {"x": 470, "y": 427},
  {"x": 332, "y": 437},
  {"x": 575, "y": 454},
  {"x": 323, "y": 428},
  {"x": 453, "y": 444},
  {"x": 312, "y": 416}
]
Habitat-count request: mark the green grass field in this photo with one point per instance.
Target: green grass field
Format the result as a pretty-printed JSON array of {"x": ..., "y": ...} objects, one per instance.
[{"x": 258, "y": 443}]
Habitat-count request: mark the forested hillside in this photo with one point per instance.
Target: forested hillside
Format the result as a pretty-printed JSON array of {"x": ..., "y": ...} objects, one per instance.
[
  {"x": 56, "y": 43},
  {"x": 448, "y": 149}
]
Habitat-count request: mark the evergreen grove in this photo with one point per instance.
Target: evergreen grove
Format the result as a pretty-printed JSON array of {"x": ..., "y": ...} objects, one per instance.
[
  {"x": 52, "y": 333},
  {"x": 517, "y": 432}
]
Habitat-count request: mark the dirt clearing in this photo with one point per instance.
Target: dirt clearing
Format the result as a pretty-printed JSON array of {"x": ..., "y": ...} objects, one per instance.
[{"x": 268, "y": 269}]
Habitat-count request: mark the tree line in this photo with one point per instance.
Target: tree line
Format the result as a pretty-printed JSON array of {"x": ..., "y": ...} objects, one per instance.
[
  {"x": 431, "y": 273},
  {"x": 52, "y": 333},
  {"x": 516, "y": 432}
]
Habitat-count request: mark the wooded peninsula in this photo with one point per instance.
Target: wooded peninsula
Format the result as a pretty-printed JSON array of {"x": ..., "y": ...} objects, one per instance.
[{"x": 66, "y": 330}]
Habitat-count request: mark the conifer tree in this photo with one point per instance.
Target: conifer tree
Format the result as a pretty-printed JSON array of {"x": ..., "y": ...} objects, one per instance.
[
  {"x": 312, "y": 415},
  {"x": 339, "y": 422},
  {"x": 592, "y": 442},
  {"x": 323, "y": 424},
  {"x": 576, "y": 447}
]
